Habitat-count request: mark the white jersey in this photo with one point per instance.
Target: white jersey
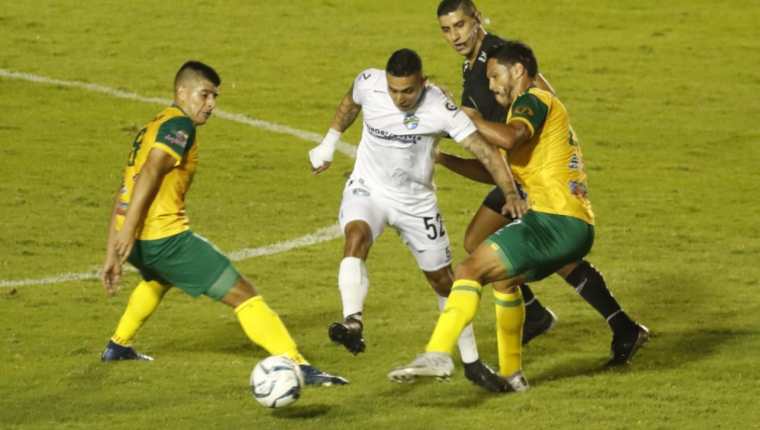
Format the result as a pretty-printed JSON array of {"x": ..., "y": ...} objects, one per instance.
[{"x": 396, "y": 152}]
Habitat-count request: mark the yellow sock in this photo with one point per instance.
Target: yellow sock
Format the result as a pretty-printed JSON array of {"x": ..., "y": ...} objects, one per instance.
[
  {"x": 265, "y": 328},
  {"x": 510, "y": 317},
  {"x": 459, "y": 311},
  {"x": 142, "y": 303}
]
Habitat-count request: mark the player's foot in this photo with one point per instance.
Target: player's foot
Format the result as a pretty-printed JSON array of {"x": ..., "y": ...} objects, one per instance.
[
  {"x": 115, "y": 352},
  {"x": 435, "y": 364},
  {"x": 538, "y": 326},
  {"x": 481, "y": 374},
  {"x": 349, "y": 334},
  {"x": 625, "y": 345},
  {"x": 516, "y": 383},
  {"x": 314, "y": 376}
]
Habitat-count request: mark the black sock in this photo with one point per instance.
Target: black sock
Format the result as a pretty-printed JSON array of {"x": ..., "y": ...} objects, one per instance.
[
  {"x": 533, "y": 308},
  {"x": 589, "y": 283},
  {"x": 622, "y": 323}
]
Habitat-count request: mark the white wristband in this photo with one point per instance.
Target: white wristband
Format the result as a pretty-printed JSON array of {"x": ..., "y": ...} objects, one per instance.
[
  {"x": 331, "y": 138},
  {"x": 323, "y": 153}
]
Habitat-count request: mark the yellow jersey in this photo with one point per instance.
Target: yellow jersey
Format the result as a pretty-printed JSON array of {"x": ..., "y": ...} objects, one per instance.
[
  {"x": 173, "y": 132},
  {"x": 550, "y": 165}
]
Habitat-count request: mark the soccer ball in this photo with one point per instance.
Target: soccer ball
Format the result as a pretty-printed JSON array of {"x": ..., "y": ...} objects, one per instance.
[{"x": 276, "y": 381}]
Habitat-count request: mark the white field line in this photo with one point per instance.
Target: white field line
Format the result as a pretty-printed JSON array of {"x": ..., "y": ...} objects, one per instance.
[{"x": 322, "y": 235}]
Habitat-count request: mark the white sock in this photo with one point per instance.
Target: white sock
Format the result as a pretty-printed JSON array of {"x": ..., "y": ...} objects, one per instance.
[
  {"x": 353, "y": 284},
  {"x": 468, "y": 347}
]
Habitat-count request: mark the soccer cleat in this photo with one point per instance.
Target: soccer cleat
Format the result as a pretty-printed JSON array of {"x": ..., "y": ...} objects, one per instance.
[
  {"x": 314, "y": 376},
  {"x": 535, "y": 328},
  {"x": 431, "y": 364},
  {"x": 625, "y": 346},
  {"x": 481, "y": 374},
  {"x": 516, "y": 383},
  {"x": 116, "y": 352},
  {"x": 349, "y": 334}
]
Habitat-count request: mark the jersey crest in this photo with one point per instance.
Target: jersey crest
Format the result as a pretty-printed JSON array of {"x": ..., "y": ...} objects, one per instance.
[{"x": 411, "y": 121}]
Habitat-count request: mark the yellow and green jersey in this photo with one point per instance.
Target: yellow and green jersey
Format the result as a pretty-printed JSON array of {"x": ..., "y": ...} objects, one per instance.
[
  {"x": 174, "y": 133},
  {"x": 550, "y": 165}
]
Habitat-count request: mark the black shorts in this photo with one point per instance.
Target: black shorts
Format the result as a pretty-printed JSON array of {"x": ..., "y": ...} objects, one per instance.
[{"x": 495, "y": 199}]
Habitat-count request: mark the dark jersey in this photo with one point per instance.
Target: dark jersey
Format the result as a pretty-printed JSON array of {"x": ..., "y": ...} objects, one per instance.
[{"x": 475, "y": 92}]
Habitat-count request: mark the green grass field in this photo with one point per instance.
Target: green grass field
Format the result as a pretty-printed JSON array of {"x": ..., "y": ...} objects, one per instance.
[{"x": 662, "y": 94}]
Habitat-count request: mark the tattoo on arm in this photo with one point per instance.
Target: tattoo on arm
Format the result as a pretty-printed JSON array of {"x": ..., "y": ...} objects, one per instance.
[
  {"x": 492, "y": 160},
  {"x": 346, "y": 113}
]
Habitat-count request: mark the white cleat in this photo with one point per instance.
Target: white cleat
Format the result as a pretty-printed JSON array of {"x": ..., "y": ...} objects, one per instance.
[
  {"x": 431, "y": 364},
  {"x": 517, "y": 383}
]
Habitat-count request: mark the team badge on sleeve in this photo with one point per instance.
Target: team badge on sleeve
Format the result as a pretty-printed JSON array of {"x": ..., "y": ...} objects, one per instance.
[
  {"x": 179, "y": 138},
  {"x": 525, "y": 111}
]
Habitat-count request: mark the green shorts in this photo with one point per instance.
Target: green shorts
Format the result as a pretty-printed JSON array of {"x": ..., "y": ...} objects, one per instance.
[
  {"x": 186, "y": 261},
  {"x": 539, "y": 244}
]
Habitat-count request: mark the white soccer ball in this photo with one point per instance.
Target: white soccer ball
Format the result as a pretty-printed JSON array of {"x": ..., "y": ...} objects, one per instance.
[{"x": 276, "y": 381}]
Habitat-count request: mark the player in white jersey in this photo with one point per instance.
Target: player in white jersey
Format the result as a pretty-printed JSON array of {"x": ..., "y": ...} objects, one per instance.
[{"x": 392, "y": 184}]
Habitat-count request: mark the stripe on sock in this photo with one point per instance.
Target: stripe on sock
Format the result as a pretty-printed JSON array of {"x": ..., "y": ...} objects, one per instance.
[
  {"x": 609, "y": 318},
  {"x": 475, "y": 290},
  {"x": 579, "y": 288},
  {"x": 507, "y": 303}
]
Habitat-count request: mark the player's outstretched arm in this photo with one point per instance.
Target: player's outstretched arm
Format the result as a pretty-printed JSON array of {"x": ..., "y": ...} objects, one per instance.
[
  {"x": 321, "y": 156},
  {"x": 158, "y": 164},
  {"x": 470, "y": 168},
  {"x": 497, "y": 166}
]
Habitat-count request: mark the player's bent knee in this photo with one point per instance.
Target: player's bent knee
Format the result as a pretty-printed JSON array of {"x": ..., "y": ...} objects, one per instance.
[
  {"x": 468, "y": 269},
  {"x": 239, "y": 293},
  {"x": 358, "y": 239}
]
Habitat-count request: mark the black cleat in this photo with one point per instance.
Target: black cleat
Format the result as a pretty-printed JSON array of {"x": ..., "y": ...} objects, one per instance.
[
  {"x": 314, "y": 376},
  {"x": 624, "y": 346},
  {"x": 349, "y": 334},
  {"x": 116, "y": 352},
  {"x": 482, "y": 375},
  {"x": 535, "y": 328}
]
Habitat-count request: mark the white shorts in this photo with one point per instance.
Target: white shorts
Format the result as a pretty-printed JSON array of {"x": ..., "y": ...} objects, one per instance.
[{"x": 421, "y": 228}]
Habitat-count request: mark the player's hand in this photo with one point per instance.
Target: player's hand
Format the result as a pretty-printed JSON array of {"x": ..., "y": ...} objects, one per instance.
[
  {"x": 320, "y": 169},
  {"x": 320, "y": 158},
  {"x": 515, "y": 206},
  {"x": 122, "y": 245},
  {"x": 110, "y": 275}
]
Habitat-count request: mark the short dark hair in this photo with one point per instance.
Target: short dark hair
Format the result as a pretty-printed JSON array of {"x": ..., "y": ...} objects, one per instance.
[
  {"x": 196, "y": 67},
  {"x": 446, "y": 7},
  {"x": 513, "y": 52},
  {"x": 404, "y": 62}
]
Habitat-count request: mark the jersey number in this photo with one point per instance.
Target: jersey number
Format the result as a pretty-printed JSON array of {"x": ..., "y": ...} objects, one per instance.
[
  {"x": 135, "y": 147},
  {"x": 434, "y": 226}
]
